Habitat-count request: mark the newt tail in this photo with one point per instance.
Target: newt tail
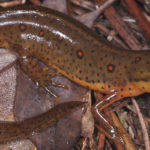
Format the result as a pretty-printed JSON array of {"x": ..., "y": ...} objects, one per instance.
[{"x": 10, "y": 131}]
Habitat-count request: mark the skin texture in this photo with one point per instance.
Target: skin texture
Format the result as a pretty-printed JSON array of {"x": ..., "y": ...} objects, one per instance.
[
  {"x": 22, "y": 129},
  {"x": 73, "y": 50}
]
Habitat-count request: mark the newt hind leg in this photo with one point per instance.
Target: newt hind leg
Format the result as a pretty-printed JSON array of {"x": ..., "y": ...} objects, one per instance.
[{"x": 106, "y": 101}]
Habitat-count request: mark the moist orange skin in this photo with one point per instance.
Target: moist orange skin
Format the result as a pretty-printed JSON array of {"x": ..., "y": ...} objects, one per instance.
[{"x": 74, "y": 51}]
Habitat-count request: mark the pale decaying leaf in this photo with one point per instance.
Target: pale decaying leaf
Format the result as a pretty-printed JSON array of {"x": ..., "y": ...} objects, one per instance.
[
  {"x": 18, "y": 145},
  {"x": 60, "y": 5},
  {"x": 7, "y": 97},
  {"x": 6, "y": 58},
  {"x": 88, "y": 120},
  {"x": 7, "y": 85}
]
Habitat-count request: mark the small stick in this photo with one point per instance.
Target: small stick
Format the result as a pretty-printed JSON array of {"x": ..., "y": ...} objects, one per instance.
[{"x": 144, "y": 130}]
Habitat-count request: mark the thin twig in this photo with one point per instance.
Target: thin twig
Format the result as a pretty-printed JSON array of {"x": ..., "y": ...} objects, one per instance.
[
  {"x": 89, "y": 18},
  {"x": 141, "y": 19},
  {"x": 143, "y": 126}
]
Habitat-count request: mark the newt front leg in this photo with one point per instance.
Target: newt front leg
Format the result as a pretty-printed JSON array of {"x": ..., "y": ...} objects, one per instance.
[{"x": 29, "y": 64}]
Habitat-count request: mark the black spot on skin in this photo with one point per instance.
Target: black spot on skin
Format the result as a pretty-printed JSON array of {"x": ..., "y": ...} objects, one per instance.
[
  {"x": 92, "y": 41},
  {"x": 130, "y": 79},
  {"x": 18, "y": 36},
  {"x": 96, "y": 45},
  {"x": 125, "y": 67},
  {"x": 110, "y": 68},
  {"x": 137, "y": 59},
  {"x": 101, "y": 58},
  {"x": 121, "y": 89},
  {"x": 147, "y": 62},
  {"x": 33, "y": 45},
  {"x": 141, "y": 72},
  {"x": 114, "y": 83},
  {"x": 87, "y": 87},
  {"x": 130, "y": 89},
  {"x": 124, "y": 81},
  {"x": 79, "y": 53},
  {"x": 80, "y": 78},
  {"x": 101, "y": 68},
  {"x": 136, "y": 80},
  {"x": 93, "y": 81},
  {"x": 119, "y": 63},
  {"x": 10, "y": 32},
  {"x": 121, "y": 95},
  {"x": 98, "y": 74},
  {"x": 109, "y": 86},
  {"x": 92, "y": 51},
  {"x": 90, "y": 65},
  {"x": 145, "y": 79},
  {"x": 4, "y": 34}
]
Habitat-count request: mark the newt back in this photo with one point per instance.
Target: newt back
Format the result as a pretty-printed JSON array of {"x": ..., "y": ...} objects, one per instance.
[{"x": 74, "y": 50}]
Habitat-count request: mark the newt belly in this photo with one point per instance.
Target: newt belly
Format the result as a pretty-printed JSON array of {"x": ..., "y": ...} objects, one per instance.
[{"x": 73, "y": 50}]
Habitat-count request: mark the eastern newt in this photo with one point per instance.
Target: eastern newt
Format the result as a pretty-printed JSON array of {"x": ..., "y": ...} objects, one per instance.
[{"x": 73, "y": 50}]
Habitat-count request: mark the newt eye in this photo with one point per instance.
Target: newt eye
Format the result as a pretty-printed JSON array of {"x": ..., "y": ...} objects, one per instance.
[
  {"x": 110, "y": 67},
  {"x": 79, "y": 53}
]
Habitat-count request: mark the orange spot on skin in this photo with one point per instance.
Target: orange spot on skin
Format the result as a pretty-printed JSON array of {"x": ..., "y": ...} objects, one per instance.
[
  {"x": 137, "y": 59},
  {"x": 22, "y": 27},
  {"x": 60, "y": 38},
  {"x": 41, "y": 33},
  {"x": 110, "y": 68},
  {"x": 80, "y": 54}
]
